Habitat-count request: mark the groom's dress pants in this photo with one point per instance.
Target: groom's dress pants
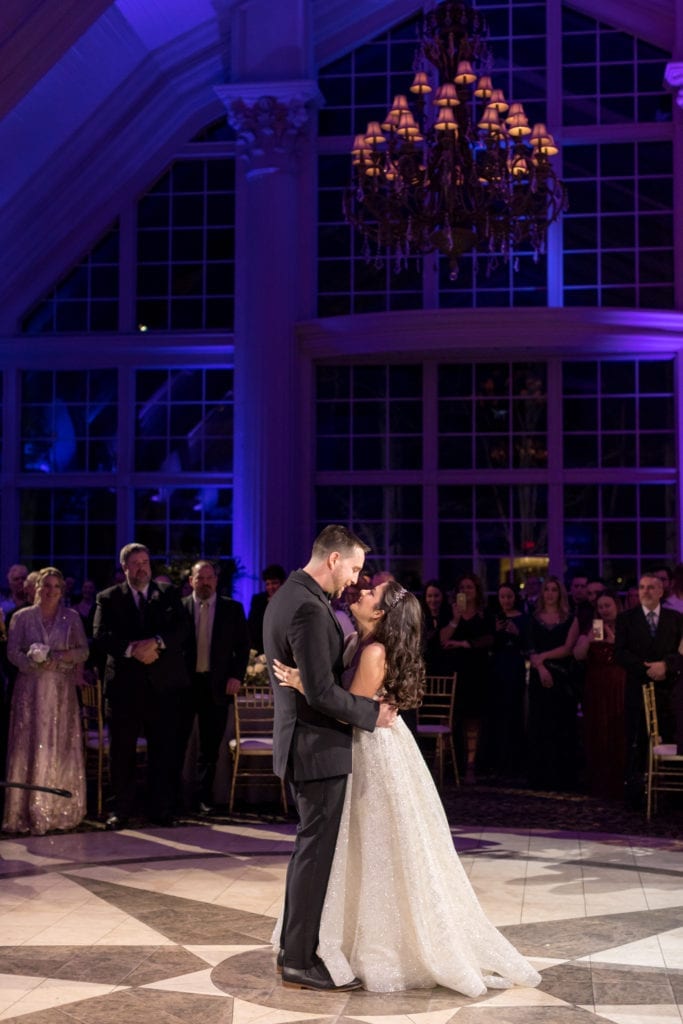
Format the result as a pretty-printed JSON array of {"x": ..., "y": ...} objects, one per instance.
[{"x": 319, "y": 803}]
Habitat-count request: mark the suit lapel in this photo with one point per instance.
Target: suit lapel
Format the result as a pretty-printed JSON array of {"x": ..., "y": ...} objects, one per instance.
[{"x": 311, "y": 585}]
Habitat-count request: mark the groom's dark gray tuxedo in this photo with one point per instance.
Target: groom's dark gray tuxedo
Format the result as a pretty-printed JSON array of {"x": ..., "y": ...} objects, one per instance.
[{"x": 311, "y": 746}]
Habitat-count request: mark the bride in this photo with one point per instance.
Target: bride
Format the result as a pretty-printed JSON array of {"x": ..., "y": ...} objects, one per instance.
[{"x": 400, "y": 912}]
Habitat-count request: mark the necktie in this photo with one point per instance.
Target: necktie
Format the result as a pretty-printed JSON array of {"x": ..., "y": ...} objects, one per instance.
[
  {"x": 203, "y": 638},
  {"x": 142, "y": 604},
  {"x": 651, "y": 623}
]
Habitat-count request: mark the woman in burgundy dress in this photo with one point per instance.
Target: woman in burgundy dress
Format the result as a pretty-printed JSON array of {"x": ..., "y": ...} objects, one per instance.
[{"x": 603, "y": 703}]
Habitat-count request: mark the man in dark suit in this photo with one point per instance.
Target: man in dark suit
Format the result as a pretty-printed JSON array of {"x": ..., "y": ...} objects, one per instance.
[
  {"x": 273, "y": 577},
  {"x": 216, "y": 655},
  {"x": 141, "y": 626},
  {"x": 311, "y": 740},
  {"x": 646, "y": 646}
]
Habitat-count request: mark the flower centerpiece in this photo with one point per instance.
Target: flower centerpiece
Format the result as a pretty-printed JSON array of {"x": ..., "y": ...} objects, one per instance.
[{"x": 257, "y": 670}]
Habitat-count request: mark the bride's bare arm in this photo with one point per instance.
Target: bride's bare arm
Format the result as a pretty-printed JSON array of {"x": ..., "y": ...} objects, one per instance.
[
  {"x": 369, "y": 676},
  {"x": 367, "y": 681}
]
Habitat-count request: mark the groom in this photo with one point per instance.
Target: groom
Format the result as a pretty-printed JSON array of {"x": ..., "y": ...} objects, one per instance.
[{"x": 311, "y": 740}]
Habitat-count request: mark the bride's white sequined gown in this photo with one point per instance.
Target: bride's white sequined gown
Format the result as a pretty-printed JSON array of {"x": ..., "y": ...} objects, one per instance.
[{"x": 400, "y": 912}]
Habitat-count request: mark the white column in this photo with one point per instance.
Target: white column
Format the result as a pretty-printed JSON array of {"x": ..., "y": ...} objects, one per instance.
[{"x": 274, "y": 288}]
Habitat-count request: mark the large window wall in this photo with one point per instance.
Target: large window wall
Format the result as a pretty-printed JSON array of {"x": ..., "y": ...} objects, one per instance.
[
  {"x": 587, "y": 81},
  {"x": 176, "y": 256},
  {"x": 88, "y": 478},
  {"x": 523, "y": 466}
]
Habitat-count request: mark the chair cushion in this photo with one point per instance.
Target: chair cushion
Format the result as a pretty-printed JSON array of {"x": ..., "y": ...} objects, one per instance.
[
  {"x": 433, "y": 730},
  {"x": 253, "y": 743},
  {"x": 665, "y": 750}
]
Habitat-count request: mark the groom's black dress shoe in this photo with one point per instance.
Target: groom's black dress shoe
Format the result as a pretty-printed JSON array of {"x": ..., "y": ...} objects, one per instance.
[
  {"x": 316, "y": 978},
  {"x": 280, "y": 962}
]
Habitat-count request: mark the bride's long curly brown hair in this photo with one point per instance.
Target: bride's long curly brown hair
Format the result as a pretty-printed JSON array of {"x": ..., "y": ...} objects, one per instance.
[{"x": 400, "y": 631}]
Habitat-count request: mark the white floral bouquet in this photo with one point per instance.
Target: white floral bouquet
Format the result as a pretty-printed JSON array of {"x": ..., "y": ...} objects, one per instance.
[
  {"x": 257, "y": 670},
  {"x": 38, "y": 653}
]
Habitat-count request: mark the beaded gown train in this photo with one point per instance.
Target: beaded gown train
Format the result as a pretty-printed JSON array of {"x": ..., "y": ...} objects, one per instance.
[{"x": 400, "y": 912}]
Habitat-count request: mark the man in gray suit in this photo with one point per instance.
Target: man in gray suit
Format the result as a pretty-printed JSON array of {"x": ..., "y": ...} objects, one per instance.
[{"x": 312, "y": 738}]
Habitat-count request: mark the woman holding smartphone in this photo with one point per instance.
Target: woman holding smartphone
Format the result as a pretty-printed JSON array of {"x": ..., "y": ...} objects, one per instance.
[
  {"x": 467, "y": 641},
  {"x": 603, "y": 702}
]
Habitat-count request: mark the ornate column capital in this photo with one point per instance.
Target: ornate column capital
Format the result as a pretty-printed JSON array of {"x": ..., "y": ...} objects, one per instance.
[
  {"x": 673, "y": 76},
  {"x": 271, "y": 120}
]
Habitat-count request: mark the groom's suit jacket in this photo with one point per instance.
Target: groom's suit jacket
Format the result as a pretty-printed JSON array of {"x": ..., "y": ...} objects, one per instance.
[{"x": 310, "y": 736}]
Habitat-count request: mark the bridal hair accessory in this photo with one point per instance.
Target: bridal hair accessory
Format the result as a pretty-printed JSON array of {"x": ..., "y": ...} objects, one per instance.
[{"x": 38, "y": 653}]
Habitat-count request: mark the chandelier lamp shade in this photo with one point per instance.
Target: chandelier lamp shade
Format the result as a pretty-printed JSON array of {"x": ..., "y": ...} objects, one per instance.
[{"x": 455, "y": 168}]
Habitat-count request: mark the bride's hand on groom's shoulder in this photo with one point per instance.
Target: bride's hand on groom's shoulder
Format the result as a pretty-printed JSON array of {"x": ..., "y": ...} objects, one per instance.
[{"x": 287, "y": 675}]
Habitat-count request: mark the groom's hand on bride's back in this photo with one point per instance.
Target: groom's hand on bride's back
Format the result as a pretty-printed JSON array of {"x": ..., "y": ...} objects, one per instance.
[{"x": 386, "y": 716}]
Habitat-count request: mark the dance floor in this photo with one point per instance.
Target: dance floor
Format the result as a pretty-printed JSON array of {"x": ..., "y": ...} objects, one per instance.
[{"x": 164, "y": 926}]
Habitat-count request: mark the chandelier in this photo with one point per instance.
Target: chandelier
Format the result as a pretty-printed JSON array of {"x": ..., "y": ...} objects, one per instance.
[{"x": 459, "y": 171}]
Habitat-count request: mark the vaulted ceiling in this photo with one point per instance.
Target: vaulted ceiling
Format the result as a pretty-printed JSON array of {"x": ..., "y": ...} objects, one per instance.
[{"x": 95, "y": 98}]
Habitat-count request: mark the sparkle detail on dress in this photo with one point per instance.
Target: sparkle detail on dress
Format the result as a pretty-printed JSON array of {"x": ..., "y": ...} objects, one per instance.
[{"x": 400, "y": 912}]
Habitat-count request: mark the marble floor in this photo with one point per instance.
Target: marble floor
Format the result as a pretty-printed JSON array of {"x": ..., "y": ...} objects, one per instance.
[{"x": 159, "y": 926}]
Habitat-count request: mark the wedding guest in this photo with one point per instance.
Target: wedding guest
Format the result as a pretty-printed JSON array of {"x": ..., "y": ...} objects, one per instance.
[
  {"x": 665, "y": 576},
  {"x": 675, "y": 598},
  {"x": 30, "y": 584},
  {"x": 48, "y": 645},
  {"x": 579, "y": 603},
  {"x": 646, "y": 646},
  {"x": 69, "y": 584},
  {"x": 553, "y": 633},
  {"x": 436, "y": 613},
  {"x": 595, "y": 586},
  {"x": 8, "y": 671},
  {"x": 273, "y": 577},
  {"x": 383, "y": 576},
  {"x": 576, "y": 592},
  {"x": 466, "y": 642},
  {"x": 340, "y": 607},
  {"x": 142, "y": 627},
  {"x": 531, "y": 589},
  {"x": 16, "y": 575},
  {"x": 505, "y": 741},
  {"x": 85, "y": 606},
  {"x": 603, "y": 702},
  {"x": 216, "y": 655}
]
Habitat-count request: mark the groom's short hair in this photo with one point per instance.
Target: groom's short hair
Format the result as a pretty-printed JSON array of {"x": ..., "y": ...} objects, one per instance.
[{"x": 336, "y": 538}]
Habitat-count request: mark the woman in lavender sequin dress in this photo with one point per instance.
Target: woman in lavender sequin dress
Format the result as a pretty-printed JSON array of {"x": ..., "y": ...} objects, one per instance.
[
  {"x": 45, "y": 745},
  {"x": 400, "y": 912}
]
